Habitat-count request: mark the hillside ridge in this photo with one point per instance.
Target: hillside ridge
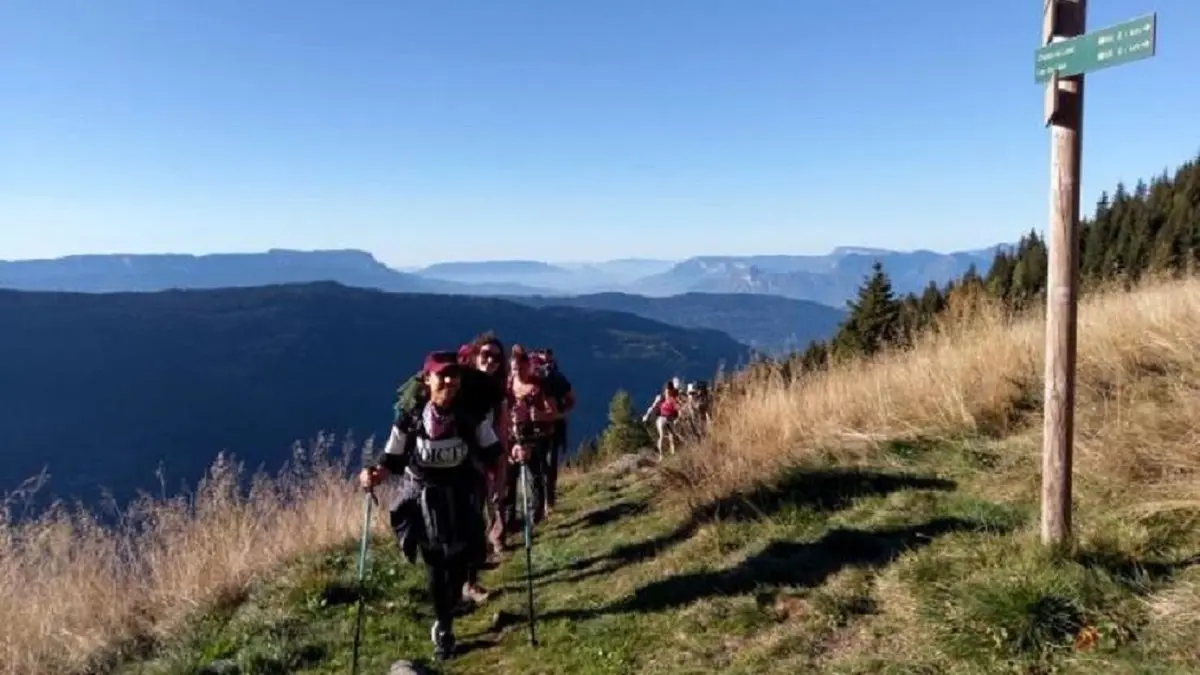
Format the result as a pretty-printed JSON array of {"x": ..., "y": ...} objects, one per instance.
[{"x": 179, "y": 375}]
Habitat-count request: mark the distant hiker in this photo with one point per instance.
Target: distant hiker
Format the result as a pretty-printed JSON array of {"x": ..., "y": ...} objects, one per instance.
[
  {"x": 487, "y": 355},
  {"x": 441, "y": 438},
  {"x": 698, "y": 406},
  {"x": 532, "y": 415},
  {"x": 559, "y": 388},
  {"x": 666, "y": 408}
]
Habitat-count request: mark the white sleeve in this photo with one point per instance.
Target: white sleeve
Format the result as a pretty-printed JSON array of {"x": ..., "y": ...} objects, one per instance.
[
  {"x": 396, "y": 442},
  {"x": 485, "y": 433}
]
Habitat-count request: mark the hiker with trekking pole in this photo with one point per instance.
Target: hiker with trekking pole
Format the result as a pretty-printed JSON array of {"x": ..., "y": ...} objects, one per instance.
[
  {"x": 440, "y": 441},
  {"x": 533, "y": 416}
]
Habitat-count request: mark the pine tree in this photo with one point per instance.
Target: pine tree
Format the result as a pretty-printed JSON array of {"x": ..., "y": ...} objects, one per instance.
[
  {"x": 874, "y": 320},
  {"x": 816, "y": 357},
  {"x": 999, "y": 277},
  {"x": 624, "y": 433}
]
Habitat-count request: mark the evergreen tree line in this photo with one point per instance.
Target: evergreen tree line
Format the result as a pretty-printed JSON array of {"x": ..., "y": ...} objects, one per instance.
[{"x": 1155, "y": 228}]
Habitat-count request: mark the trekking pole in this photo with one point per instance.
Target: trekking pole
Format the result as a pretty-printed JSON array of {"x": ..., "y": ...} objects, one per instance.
[
  {"x": 370, "y": 499},
  {"x": 527, "y": 504}
]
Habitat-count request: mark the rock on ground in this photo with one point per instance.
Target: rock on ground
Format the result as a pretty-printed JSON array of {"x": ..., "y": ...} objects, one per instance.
[
  {"x": 405, "y": 668},
  {"x": 631, "y": 462}
]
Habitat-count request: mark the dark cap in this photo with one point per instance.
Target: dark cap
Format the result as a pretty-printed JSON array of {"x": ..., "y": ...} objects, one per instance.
[{"x": 438, "y": 362}]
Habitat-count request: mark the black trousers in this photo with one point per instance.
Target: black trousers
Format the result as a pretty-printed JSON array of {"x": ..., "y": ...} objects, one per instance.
[
  {"x": 446, "y": 575},
  {"x": 457, "y": 509},
  {"x": 539, "y": 452}
]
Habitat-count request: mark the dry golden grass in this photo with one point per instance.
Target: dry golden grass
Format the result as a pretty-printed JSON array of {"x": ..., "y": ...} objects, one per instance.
[
  {"x": 1137, "y": 450},
  {"x": 77, "y": 592},
  {"x": 1137, "y": 401}
]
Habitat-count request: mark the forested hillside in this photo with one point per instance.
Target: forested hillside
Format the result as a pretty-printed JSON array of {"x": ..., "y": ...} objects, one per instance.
[
  {"x": 1152, "y": 229},
  {"x": 101, "y": 388}
]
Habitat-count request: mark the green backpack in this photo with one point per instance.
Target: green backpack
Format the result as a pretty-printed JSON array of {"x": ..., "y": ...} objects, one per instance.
[{"x": 479, "y": 395}]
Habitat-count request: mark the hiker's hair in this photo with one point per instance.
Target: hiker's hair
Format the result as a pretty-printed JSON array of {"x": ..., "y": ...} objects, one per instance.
[{"x": 488, "y": 338}]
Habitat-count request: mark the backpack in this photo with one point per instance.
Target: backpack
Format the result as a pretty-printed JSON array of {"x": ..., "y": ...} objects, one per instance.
[
  {"x": 556, "y": 385},
  {"x": 478, "y": 395},
  {"x": 523, "y": 426}
]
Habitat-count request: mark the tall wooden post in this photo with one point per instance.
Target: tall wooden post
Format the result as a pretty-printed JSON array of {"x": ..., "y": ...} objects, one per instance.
[{"x": 1064, "y": 115}]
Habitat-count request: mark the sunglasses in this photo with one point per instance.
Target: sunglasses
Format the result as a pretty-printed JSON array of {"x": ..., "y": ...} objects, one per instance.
[{"x": 489, "y": 355}]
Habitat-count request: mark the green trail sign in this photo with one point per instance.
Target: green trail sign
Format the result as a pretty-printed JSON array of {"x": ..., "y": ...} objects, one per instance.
[{"x": 1112, "y": 46}]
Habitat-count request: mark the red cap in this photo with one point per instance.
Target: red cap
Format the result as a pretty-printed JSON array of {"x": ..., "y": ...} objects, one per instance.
[{"x": 438, "y": 362}]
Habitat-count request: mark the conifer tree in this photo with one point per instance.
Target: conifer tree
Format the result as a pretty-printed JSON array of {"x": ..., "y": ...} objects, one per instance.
[
  {"x": 874, "y": 321},
  {"x": 624, "y": 433}
]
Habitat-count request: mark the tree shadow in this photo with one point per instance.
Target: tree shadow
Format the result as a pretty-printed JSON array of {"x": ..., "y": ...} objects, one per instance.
[
  {"x": 1133, "y": 572},
  {"x": 821, "y": 490},
  {"x": 605, "y": 516},
  {"x": 784, "y": 563}
]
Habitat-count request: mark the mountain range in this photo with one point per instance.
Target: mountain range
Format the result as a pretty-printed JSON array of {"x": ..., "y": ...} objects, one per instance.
[
  {"x": 827, "y": 279},
  {"x": 113, "y": 363},
  {"x": 768, "y": 323},
  {"x": 101, "y": 388}
]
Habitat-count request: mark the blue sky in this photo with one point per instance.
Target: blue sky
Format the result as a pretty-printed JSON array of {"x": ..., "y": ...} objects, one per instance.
[{"x": 477, "y": 129}]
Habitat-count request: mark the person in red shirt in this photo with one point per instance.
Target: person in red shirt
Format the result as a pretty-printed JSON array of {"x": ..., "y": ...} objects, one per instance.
[{"x": 666, "y": 406}]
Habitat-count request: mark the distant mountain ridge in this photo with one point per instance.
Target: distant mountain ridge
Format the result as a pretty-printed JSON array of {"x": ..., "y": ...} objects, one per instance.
[
  {"x": 564, "y": 277},
  {"x": 829, "y": 279},
  {"x": 768, "y": 323},
  {"x": 114, "y": 273}
]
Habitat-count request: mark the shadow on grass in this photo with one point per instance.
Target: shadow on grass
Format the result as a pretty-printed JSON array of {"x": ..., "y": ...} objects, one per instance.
[
  {"x": 783, "y": 563},
  {"x": 1132, "y": 572},
  {"x": 822, "y": 490},
  {"x": 605, "y": 516}
]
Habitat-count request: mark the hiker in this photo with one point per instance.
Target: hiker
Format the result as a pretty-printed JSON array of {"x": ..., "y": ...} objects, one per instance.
[
  {"x": 558, "y": 387},
  {"x": 697, "y": 407},
  {"x": 532, "y": 414},
  {"x": 486, "y": 354},
  {"x": 666, "y": 408},
  {"x": 440, "y": 440}
]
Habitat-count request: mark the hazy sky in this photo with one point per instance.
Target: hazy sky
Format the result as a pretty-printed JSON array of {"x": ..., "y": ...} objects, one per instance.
[{"x": 559, "y": 130}]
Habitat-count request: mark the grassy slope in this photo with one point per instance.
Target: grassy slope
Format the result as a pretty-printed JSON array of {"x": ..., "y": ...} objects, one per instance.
[
  {"x": 917, "y": 564},
  {"x": 877, "y": 519}
]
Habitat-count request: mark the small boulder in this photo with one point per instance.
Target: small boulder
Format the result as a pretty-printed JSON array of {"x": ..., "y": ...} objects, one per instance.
[
  {"x": 221, "y": 667},
  {"x": 630, "y": 462},
  {"x": 406, "y": 668}
]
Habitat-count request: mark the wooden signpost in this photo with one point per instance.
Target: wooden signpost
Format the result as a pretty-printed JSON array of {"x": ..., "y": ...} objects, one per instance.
[{"x": 1067, "y": 52}]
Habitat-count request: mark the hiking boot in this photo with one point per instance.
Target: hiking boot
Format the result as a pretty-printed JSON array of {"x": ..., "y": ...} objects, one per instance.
[{"x": 443, "y": 642}]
